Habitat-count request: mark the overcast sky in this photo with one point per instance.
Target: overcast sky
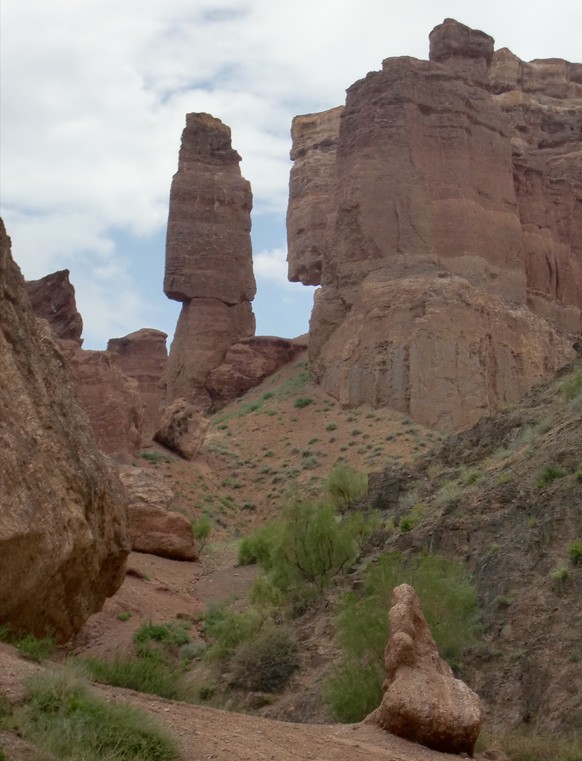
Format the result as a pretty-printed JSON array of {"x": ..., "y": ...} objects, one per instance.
[{"x": 93, "y": 97}]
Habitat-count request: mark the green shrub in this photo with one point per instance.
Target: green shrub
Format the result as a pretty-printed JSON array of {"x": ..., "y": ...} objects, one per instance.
[
  {"x": 575, "y": 551},
  {"x": 62, "y": 717},
  {"x": 449, "y": 604},
  {"x": 149, "y": 673},
  {"x": 202, "y": 528},
  {"x": 572, "y": 385},
  {"x": 124, "y": 615},
  {"x": 169, "y": 635},
  {"x": 303, "y": 401},
  {"x": 227, "y": 629},
  {"x": 414, "y": 517},
  {"x": 258, "y": 546},
  {"x": 550, "y": 473},
  {"x": 155, "y": 456},
  {"x": 531, "y": 745},
  {"x": 34, "y": 648},
  {"x": 266, "y": 662},
  {"x": 345, "y": 486},
  {"x": 331, "y": 427}
]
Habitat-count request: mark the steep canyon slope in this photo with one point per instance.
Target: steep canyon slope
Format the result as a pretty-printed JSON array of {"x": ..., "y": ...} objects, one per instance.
[{"x": 440, "y": 211}]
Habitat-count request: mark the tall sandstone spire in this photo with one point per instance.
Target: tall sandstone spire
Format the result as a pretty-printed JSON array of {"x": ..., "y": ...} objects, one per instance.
[
  {"x": 208, "y": 257},
  {"x": 440, "y": 210}
]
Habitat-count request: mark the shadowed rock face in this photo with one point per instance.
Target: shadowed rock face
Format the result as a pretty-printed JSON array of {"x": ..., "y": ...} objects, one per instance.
[
  {"x": 143, "y": 356},
  {"x": 53, "y": 298},
  {"x": 467, "y": 165},
  {"x": 208, "y": 257},
  {"x": 63, "y": 540}
]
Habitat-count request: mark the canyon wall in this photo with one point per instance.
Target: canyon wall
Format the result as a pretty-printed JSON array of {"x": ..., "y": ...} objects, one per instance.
[
  {"x": 63, "y": 539},
  {"x": 440, "y": 212}
]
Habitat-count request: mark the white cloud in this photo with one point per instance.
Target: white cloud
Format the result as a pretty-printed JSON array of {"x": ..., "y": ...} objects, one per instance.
[{"x": 272, "y": 266}]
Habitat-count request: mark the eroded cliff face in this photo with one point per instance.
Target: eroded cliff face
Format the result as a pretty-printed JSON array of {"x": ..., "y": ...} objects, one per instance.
[
  {"x": 63, "y": 540},
  {"x": 448, "y": 184},
  {"x": 208, "y": 257}
]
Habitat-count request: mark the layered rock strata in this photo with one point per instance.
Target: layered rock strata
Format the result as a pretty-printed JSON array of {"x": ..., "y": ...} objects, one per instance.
[
  {"x": 63, "y": 539},
  {"x": 423, "y": 702},
  {"x": 466, "y": 167},
  {"x": 208, "y": 257},
  {"x": 143, "y": 356}
]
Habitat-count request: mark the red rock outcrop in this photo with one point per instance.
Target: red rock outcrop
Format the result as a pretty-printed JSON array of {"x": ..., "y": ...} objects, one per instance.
[
  {"x": 143, "y": 356},
  {"x": 153, "y": 528},
  {"x": 423, "y": 702},
  {"x": 110, "y": 399},
  {"x": 53, "y": 298},
  {"x": 63, "y": 539},
  {"x": 429, "y": 170},
  {"x": 182, "y": 429},
  {"x": 208, "y": 256}
]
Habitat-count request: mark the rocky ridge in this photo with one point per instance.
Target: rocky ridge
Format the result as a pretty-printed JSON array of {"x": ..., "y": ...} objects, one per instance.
[{"x": 456, "y": 180}]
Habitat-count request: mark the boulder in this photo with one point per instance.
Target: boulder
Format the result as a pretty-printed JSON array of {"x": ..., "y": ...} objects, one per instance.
[
  {"x": 143, "y": 356},
  {"x": 152, "y": 527},
  {"x": 63, "y": 530},
  {"x": 182, "y": 429},
  {"x": 423, "y": 702}
]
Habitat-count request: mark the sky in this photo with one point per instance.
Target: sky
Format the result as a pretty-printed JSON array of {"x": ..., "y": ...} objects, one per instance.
[{"x": 93, "y": 98}]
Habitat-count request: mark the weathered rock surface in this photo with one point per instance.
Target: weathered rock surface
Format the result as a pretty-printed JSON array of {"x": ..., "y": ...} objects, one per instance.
[
  {"x": 208, "y": 256},
  {"x": 143, "y": 356},
  {"x": 53, "y": 298},
  {"x": 63, "y": 539},
  {"x": 152, "y": 527},
  {"x": 468, "y": 165},
  {"x": 423, "y": 702},
  {"x": 182, "y": 429},
  {"x": 246, "y": 364},
  {"x": 110, "y": 399}
]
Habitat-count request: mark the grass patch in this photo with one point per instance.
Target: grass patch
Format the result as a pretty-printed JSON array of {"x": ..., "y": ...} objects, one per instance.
[
  {"x": 549, "y": 473},
  {"x": 155, "y": 456},
  {"x": 61, "y": 716},
  {"x": 302, "y": 401},
  {"x": 572, "y": 385}
]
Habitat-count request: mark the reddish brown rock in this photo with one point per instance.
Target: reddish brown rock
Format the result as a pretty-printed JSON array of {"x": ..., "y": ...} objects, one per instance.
[
  {"x": 423, "y": 702},
  {"x": 53, "y": 298},
  {"x": 434, "y": 171},
  {"x": 208, "y": 256},
  {"x": 63, "y": 540},
  {"x": 152, "y": 527},
  {"x": 182, "y": 429},
  {"x": 110, "y": 399},
  {"x": 143, "y": 356},
  {"x": 246, "y": 364}
]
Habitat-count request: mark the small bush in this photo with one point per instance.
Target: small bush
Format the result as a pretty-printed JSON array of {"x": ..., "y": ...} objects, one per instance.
[
  {"x": 572, "y": 385},
  {"x": 172, "y": 634},
  {"x": 530, "y": 745},
  {"x": 62, "y": 717},
  {"x": 124, "y": 616},
  {"x": 575, "y": 551},
  {"x": 331, "y": 427},
  {"x": 34, "y": 648},
  {"x": 549, "y": 473},
  {"x": 354, "y": 689},
  {"x": 414, "y": 517},
  {"x": 202, "y": 528},
  {"x": 258, "y": 546},
  {"x": 226, "y": 629},
  {"x": 303, "y": 401},
  {"x": 266, "y": 662},
  {"x": 345, "y": 486},
  {"x": 155, "y": 456}
]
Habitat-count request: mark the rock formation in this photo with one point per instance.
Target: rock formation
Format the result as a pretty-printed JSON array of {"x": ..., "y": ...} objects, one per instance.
[
  {"x": 153, "y": 528},
  {"x": 143, "y": 357},
  {"x": 63, "y": 540},
  {"x": 208, "y": 256},
  {"x": 182, "y": 429},
  {"x": 53, "y": 298},
  {"x": 449, "y": 182},
  {"x": 422, "y": 700}
]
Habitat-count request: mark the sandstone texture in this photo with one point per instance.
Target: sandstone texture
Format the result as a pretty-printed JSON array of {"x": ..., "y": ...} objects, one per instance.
[
  {"x": 153, "y": 528},
  {"x": 466, "y": 166},
  {"x": 110, "y": 399},
  {"x": 422, "y": 700},
  {"x": 53, "y": 298},
  {"x": 182, "y": 429},
  {"x": 63, "y": 540},
  {"x": 143, "y": 356},
  {"x": 208, "y": 256}
]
